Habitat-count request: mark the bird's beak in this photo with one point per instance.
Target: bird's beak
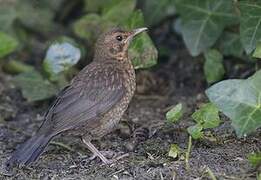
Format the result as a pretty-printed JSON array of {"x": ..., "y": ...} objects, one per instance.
[
  {"x": 134, "y": 33},
  {"x": 138, "y": 31}
]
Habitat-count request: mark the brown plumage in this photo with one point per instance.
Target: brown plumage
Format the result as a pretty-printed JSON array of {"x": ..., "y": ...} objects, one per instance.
[{"x": 93, "y": 103}]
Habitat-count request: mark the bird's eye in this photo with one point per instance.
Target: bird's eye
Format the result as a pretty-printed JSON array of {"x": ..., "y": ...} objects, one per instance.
[{"x": 119, "y": 38}]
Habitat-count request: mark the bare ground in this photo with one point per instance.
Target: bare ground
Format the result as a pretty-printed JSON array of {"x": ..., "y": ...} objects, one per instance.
[{"x": 178, "y": 80}]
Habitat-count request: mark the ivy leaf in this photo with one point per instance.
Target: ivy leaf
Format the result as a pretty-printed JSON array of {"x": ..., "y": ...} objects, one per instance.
[
  {"x": 95, "y": 6},
  {"x": 7, "y": 44},
  {"x": 255, "y": 159},
  {"x": 213, "y": 66},
  {"x": 53, "y": 5},
  {"x": 174, "y": 151},
  {"x": 28, "y": 13},
  {"x": 34, "y": 87},
  {"x": 240, "y": 100},
  {"x": 202, "y": 22},
  {"x": 35, "y": 17},
  {"x": 175, "y": 113},
  {"x": 88, "y": 27},
  {"x": 207, "y": 116},
  {"x": 16, "y": 67},
  {"x": 142, "y": 50},
  {"x": 257, "y": 52},
  {"x": 119, "y": 11},
  {"x": 143, "y": 53},
  {"x": 230, "y": 44},
  {"x": 250, "y": 24},
  {"x": 7, "y": 15},
  {"x": 196, "y": 131},
  {"x": 114, "y": 13},
  {"x": 155, "y": 10},
  {"x": 60, "y": 56}
]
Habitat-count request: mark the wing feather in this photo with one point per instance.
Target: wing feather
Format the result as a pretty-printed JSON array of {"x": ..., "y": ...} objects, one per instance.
[{"x": 95, "y": 90}]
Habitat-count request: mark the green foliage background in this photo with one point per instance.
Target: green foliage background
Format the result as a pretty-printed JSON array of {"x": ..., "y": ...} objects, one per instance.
[{"x": 215, "y": 30}]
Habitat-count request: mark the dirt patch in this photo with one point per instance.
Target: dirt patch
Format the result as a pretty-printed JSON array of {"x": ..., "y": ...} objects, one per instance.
[{"x": 177, "y": 78}]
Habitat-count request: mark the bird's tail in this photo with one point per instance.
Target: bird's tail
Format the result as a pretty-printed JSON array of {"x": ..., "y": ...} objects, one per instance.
[{"x": 29, "y": 151}]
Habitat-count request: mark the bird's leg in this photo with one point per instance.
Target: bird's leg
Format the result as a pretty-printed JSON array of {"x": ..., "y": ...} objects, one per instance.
[{"x": 95, "y": 151}]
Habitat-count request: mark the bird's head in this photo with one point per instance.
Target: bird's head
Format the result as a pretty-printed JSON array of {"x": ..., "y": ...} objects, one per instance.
[{"x": 114, "y": 44}]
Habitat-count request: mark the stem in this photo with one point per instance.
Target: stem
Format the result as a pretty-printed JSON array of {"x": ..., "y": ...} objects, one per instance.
[
  {"x": 188, "y": 153},
  {"x": 211, "y": 174}
]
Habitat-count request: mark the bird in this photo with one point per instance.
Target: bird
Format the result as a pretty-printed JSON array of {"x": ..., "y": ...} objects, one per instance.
[{"x": 93, "y": 102}]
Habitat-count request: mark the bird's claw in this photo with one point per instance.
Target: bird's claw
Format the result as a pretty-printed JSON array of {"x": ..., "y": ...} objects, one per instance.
[{"x": 110, "y": 157}]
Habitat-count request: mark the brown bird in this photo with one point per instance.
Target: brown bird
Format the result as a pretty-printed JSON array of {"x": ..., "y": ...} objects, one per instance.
[{"x": 93, "y": 103}]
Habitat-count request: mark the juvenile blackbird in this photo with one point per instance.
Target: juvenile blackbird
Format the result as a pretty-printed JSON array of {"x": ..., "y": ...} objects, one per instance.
[{"x": 93, "y": 103}]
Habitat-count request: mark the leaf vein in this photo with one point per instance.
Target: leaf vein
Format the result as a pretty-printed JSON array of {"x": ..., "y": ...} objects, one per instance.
[{"x": 255, "y": 31}]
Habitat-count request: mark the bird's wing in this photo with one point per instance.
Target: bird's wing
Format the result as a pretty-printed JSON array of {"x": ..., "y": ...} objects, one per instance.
[{"x": 91, "y": 94}]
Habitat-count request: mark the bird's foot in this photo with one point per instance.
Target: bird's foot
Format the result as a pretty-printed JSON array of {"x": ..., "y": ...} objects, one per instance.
[
  {"x": 100, "y": 154},
  {"x": 109, "y": 157}
]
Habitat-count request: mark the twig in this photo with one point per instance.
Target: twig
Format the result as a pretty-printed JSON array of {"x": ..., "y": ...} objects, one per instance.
[
  {"x": 227, "y": 176},
  {"x": 174, "y": 175},
  {"x": 188, "y": 153},
  {"x": 116, "y": 172},
  {"x": 161, "y": 176},
  {"x": 211, "y": 174}
]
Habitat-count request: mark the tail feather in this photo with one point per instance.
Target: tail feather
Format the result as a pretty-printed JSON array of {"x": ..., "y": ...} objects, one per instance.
[{"x": 29, "y": 151}]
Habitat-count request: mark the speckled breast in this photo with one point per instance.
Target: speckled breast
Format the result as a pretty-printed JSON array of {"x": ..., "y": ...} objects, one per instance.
[{"x": 111, "y": 119}]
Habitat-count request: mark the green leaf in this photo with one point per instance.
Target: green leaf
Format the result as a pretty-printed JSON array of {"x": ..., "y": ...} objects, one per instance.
[
  {"x": 94, "y": 6},
  {"x": 34, "y": 15},
  {"x": 175, "y": 113},
  {"x": 114, "y": 13},
  {"x": 202, "y": 22},
  {"x": 196, "y": 131},
  {"x": 230, "y": 44},
  {"x": 135, "y": 20},
  {"x": 15, "y": 67},
  {"x": 7, "y": 15},
  {"x": 207, "y": 116},
  {"x": 250, "y": 24},
  {"x": 7, "y": 44},
  {"x": 9, "y": 21},
  {"x": 213, "y": 66},
  {"x": 155, "y": 10},
  {"x": 53, "y": 5},
  {"x": 142, "y": 50},
  {"x": 88, "y": 27},
  {"x": 60, "y": 56},
  {"x": 34, "y": 87},
  {"x": 143, "y": 53},
  {"x": 38, "y": 18},
  {"x": 255, "y": 159},
  {"x": 174, "y": 151},
  {"x": 119, "y": 11},
  {"x": 257, "y": 52},
  {"x": 240, "y": 100},
  {"x": 109, "y": 4}
]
